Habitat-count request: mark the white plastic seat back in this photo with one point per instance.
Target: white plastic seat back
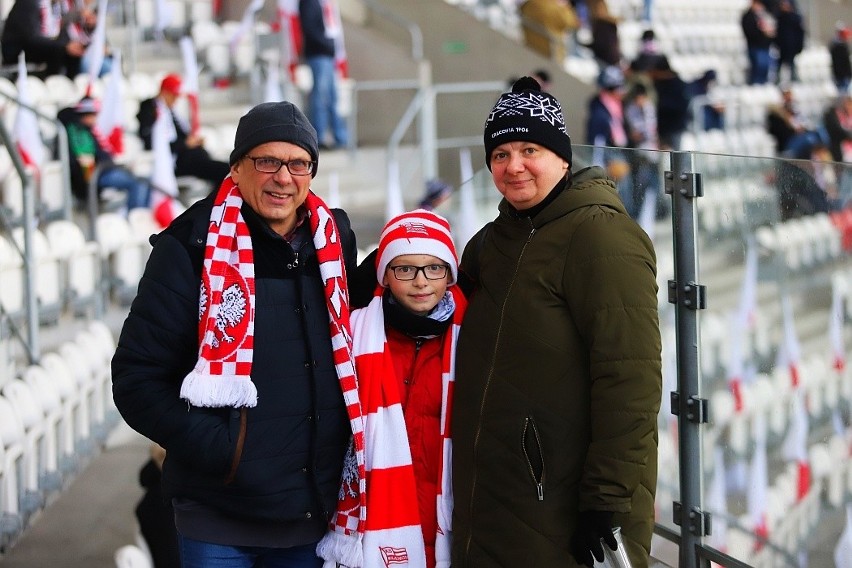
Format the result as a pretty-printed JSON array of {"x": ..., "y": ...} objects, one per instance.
[{"x": 131, "y": 556}]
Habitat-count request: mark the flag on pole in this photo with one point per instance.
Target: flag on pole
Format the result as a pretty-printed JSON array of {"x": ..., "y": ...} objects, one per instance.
[
  {"x": 245, "y": 25},
  {"x": 468, "y": 221},
  {"x": 758, "y": 483},
  {"x": 790, "y": 352},
  {"x": 163, "y": 17},
  {"x": 843, "y": 550},
  {"x": 717, "y": 501},
  {"x": 26, "y": 131},
  {"x": 164, "y": 203},
  {"x": 111, "y": 121},
  {"x": 94, "y": 54},
  {"x": 190, "y": 81},
  {"x": 272, "y": 86},
  {"x": 291, "y": 34},
  {"x": 835, "y": 327},
  {"x": 334, "y": 30},
  {"x": 795, "y": 446},
  {"x": 394, "y": 204}
]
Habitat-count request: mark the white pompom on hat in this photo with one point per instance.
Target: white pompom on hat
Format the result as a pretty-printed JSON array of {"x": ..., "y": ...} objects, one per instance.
[{"x": 417, "y": 232}]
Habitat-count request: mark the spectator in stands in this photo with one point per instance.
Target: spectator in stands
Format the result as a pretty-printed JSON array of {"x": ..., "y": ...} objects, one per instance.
[
  {"x": 405, "y": 340},
  {"x": 808, "y": 184},
  {"x": 155, "y": 515},
  {"x": 837, "y": 121},
  {"x": 555, "y": 410},
  {"x": 673, "y": 110},
  {"x": 841, "y": 62},
  {"x": 606, "y": 130},
  {"x": 547, "y": 26},
  {"x": 320, "y": 35},
  {"x": 650, "y": 57},
  {"x": 758, "y": 27},
  {"x": 191, "y": 158},
  {"x": 44, "y": 31},
  {"x": 605, "y": 46},
  {"x": 234, "y": 356},
  {"x": 789, "y": 38},
  {"x": 712, "y": 111},
  {"x": 794, "y": 136},
  {"x": 91, "y": 158},
  {"x": 640, "y": 119}
]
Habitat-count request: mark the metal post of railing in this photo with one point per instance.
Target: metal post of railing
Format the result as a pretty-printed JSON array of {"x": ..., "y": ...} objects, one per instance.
[
  {"x": 428, "y": 123},
  {"x": 688, "y": 295},
  {"x": 65, "y": 162},
  {"x": 28, "y": 252}
]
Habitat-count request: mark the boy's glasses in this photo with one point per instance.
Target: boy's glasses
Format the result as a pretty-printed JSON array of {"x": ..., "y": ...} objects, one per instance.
[{"x": 406, "y": 272}]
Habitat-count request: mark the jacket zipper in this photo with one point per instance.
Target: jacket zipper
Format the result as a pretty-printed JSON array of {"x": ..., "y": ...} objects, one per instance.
[
  {"x": 409, "y": 382},
  {"x": 488, "y": 380},
  {"x": 529, "y": 425}
]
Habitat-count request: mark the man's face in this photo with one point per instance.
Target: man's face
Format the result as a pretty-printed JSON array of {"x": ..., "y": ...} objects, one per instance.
[{"x": 275, "y": 197}]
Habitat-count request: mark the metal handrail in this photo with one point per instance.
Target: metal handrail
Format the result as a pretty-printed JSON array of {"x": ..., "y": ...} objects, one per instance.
[
  {"x": 31, "y": 346},
  {"x": 412, "y": 28}
]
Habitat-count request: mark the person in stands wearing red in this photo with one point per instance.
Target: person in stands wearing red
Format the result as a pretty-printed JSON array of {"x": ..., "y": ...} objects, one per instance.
[{"x": 404, "y": 344}]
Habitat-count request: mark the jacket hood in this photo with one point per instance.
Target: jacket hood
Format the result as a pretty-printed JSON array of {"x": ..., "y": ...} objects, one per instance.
[{"x": 589, "y": 186}]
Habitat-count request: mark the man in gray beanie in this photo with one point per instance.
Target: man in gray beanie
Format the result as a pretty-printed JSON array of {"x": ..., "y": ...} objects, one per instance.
[
  {"x": 547, "y": 463},
  {"x": 234, "y": 355}
]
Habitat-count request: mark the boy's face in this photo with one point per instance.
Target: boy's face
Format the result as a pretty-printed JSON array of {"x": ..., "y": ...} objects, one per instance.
[{"x": 421, "y": 294}]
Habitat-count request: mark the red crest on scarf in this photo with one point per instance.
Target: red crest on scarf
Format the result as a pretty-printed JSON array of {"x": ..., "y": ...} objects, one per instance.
[{"x": 233, "y": 319}]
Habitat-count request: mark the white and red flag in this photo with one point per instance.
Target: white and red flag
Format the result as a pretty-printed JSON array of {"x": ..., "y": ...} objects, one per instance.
[
  {"x": 795, "y": 447},
  {"x": 94, "y": 54},
  {"x": 790, "y": 351},
  {"x": 245, "y": 25},
  {"x": 758, "y": 483},
  {"x": 26, "y": 132},
  {"x": 291, "y": 34},
  {"x": 334, "y": 30},
  {"x": 164, "y": 202},
  {"x": 190, "y": 81},
  {"x": 111, "y": 121},
  {"x": 835, "y": 327}
]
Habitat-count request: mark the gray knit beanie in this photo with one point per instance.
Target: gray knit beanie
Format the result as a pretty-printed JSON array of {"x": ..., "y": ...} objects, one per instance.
[
  {"x": 529, "y": 114},
  {"x": 275, "y": 122}
]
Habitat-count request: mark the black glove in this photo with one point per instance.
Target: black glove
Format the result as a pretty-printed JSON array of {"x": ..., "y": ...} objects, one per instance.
[{"x": 592, "y": 526}]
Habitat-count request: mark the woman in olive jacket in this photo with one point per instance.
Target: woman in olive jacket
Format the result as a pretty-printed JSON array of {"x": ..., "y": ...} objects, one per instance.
[{"x": 555, "y": 415}]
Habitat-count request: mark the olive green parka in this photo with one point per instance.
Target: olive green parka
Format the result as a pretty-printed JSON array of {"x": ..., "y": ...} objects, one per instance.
[{"x": 558, "y": 381}]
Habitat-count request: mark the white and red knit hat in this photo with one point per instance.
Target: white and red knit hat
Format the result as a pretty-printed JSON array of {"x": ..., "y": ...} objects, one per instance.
[{"x": 417, "y": 232}]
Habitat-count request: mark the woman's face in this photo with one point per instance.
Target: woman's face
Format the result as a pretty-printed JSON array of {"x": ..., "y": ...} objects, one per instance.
[{"x": 524, "y": 172}]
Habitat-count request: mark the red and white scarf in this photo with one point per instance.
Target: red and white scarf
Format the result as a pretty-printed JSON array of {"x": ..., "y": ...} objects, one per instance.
[
  {"x": 392, "y": 533},
  {"x": 226, "y": 309}
]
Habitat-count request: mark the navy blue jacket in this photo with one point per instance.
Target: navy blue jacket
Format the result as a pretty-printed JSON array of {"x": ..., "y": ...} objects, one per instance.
[
  {"x": 315, "y": 42},
  {"x": 289, "y": 466}
]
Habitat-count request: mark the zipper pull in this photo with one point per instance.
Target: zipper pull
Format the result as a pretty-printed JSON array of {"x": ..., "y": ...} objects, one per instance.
[{"x": 540, "y": 488}]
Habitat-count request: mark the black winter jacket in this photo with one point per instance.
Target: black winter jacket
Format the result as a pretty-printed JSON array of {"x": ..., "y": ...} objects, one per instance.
[
  {"x": 316, "y": 42},
  {"x": 288, "y": 464}
]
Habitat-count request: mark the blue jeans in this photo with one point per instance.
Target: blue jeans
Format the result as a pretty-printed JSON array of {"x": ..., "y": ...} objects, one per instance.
[
  {"x": 760, "y": 61},
  {"x": 199, "y": 554},
  {"x": 322, "y": 111},
  {"x": 137, "y": 189}
]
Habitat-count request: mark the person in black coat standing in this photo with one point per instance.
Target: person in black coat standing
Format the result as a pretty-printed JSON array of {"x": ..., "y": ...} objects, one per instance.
[
  {"x": 233, "y": 356},
  {"x": 789, "y": 39},
  {"x": 841, "y": 62}
]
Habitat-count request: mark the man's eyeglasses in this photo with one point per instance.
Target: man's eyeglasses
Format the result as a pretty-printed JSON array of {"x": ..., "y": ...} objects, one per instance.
[
  {"x": 406, "y": 272},
  {"x": 272, "y": 165}
]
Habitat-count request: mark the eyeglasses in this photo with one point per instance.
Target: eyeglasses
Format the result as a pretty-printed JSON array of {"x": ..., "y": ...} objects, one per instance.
[
  {"x": 272, "y": 165},
  {"x": 407, "y": 272}
]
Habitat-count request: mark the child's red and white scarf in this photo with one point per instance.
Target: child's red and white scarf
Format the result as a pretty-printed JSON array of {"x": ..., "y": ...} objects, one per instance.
[{"x": 392, "y": 534}]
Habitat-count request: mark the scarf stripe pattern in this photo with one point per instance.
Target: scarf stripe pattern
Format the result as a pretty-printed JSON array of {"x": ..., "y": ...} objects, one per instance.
[{"x": 392, "y": 532}]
